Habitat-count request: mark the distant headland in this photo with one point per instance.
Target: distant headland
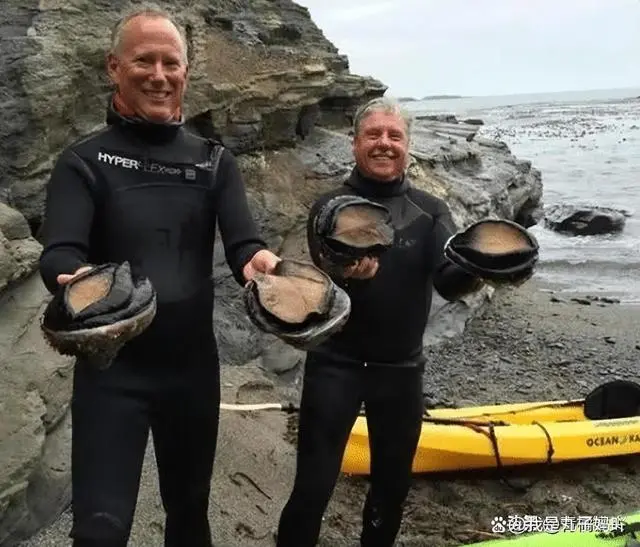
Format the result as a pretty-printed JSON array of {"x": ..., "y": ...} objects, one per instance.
[{"x": 429, "y": 98}]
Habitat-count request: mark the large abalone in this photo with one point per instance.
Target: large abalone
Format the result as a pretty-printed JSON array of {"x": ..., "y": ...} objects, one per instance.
[
  {"x": 298, "y": 302},
  {"x": 97, "y": 312},
  {"x": 498, "y": 250},
  {"x": 351, "y": 227}
]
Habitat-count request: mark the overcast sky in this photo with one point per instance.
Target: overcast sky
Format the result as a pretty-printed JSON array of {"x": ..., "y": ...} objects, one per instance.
[{"x": 486, "y": 47}]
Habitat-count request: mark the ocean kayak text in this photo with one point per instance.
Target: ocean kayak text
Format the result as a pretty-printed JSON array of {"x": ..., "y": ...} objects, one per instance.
[{"x": 608, "y": 440}]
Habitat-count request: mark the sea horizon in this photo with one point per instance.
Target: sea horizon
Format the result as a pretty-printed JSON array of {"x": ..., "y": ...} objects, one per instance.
[
  {"x": 465, "y": 106},
  {"x": 453, "y": 96}
]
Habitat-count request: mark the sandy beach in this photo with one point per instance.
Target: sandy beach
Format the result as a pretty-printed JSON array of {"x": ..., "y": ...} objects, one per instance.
[{"x": 529, "y": 344}]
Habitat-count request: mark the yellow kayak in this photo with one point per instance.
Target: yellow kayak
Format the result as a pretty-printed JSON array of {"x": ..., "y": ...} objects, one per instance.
[{"x": 518, "y": 433}]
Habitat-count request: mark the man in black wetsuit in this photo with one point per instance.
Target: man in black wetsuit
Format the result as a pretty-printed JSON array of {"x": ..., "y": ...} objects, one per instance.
[
  {"x": 377, "y": 357},
  {"x": 144, "y": 189}
]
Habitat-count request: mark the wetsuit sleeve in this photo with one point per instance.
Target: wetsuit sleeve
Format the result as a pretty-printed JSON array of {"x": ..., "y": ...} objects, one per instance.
[
  {"x": 238, "y": 229},
  {"x": 68, "y": 215},
  {"x": 450, "y": 280}
]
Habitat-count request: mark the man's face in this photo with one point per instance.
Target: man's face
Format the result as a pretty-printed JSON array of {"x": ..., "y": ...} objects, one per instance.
[
  {"x": 381, "y": 146},
  {"x": 150, "y": 69}
]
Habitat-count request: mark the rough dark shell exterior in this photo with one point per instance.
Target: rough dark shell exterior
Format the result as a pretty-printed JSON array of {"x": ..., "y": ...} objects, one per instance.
[
  {"x": 97, "y": 333},
  {"x": 496, "y": 268},
  {"x": 339, "y": 254},
  {"x": 316, "y": 328}
]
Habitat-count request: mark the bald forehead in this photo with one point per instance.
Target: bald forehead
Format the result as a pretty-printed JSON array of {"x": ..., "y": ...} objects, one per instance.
[{"x": 150, "y": 28}]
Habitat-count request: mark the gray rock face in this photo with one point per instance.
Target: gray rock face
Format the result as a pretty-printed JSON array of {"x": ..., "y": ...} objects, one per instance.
[
  {"x": 584, "y": 221},
  {"x": 278, "y": 93},
  {"x": 19, "y": 251},
  {"x": 15, "y": 45},
  {"x": 477, "y": 177},
  {"x": 34, "y": 397}
]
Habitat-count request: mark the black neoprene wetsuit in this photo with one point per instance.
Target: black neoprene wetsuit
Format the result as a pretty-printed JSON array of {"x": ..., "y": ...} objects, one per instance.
[
  {"x": 377, "y": 359},
  {"x": 147, "y": 193}
]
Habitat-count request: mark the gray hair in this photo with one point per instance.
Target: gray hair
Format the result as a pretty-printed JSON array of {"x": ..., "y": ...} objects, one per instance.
[
  {"x": 147, "y": 9},
  {"x": 381, "y": 104}
]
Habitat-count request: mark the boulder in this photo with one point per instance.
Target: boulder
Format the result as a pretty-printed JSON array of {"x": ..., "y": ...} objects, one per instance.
[
  {"x": 584, "y": 220},
  {"x": 19, "y": 251}
]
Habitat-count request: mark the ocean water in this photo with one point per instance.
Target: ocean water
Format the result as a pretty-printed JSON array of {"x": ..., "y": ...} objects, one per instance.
[{"x": 587, "y": 146}]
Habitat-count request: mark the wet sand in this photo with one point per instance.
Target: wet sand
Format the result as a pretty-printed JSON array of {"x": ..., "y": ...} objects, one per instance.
[{"x": 527, "y": 345}]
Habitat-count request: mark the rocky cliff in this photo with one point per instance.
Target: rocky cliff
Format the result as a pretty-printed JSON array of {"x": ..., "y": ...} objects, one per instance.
[{"x": 263, "y": 77}]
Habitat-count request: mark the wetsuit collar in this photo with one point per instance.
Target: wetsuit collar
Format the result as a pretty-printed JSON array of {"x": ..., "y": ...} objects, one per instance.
[
  {"x": 371, "y": 187},
  {"x": 152, "y": 132}
]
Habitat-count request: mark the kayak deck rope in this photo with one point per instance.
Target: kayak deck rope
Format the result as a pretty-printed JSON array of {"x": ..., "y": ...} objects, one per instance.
[{"x": 487, "y": 428}]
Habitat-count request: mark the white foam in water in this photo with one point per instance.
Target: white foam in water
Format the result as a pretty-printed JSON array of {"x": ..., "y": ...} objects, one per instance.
[{"x": 587, "y": 146}]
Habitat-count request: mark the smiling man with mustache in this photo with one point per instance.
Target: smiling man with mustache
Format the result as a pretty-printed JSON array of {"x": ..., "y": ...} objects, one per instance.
[
  {"x": 377, "y": 357},
  {"x": 143, "y": 189}
]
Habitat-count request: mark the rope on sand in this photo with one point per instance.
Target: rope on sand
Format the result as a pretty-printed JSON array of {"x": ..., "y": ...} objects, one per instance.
[{"x": 255, "y": 406}]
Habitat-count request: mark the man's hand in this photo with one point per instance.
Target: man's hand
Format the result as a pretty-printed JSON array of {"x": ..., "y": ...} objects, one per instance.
[
  {"x": 365, "y": 268},
  {"x": 263, "y": 261},
  {"x": 63, "y": 279}
]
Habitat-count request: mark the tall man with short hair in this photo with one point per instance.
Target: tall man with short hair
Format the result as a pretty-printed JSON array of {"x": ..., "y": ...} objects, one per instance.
[{"x": 145, "y": 190}]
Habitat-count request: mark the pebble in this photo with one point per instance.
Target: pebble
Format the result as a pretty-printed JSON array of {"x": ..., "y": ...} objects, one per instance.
[
  {"x": 430, "y": 402},
  {"x": 608, "y": 300}
]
